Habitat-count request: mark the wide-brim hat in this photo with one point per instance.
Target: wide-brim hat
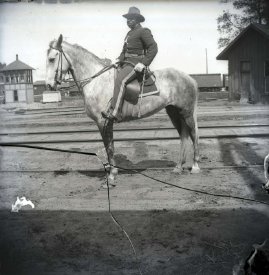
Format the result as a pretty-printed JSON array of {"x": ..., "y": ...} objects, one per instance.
[{"x": 134, "y": 12}]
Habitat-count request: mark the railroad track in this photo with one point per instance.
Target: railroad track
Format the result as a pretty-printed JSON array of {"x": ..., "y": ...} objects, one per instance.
[
  {"x": 75, "y": 111},
  {"x": 132, "y": 169},
  {"x": 129, "y": 129},
  {"x": 160, "y": 114},
  {"x": 132, "y": 134}
]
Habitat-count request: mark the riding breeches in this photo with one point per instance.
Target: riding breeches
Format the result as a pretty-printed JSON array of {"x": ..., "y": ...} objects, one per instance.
[{"x": 124, "y": 76}]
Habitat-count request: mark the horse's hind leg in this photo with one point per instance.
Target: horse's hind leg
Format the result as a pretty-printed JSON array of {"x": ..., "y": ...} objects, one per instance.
[
  {"x": 180, "y": 125},
  {"x": 191, "y": 122}
]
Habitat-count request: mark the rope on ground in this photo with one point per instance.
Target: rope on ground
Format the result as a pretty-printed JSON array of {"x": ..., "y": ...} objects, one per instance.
[
  {"x": 105, "y": 166},
  {"x": 137, "y": 172},
  {"x": 193, "y": 190}
]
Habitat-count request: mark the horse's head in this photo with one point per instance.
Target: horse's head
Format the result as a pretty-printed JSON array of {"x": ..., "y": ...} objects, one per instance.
[{"x": 57, "y": 64}]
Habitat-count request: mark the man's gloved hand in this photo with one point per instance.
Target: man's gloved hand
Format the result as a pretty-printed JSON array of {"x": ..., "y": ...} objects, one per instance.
[
  {"x": 116, "y": 62},
  {"x": 139, "y": 67}
]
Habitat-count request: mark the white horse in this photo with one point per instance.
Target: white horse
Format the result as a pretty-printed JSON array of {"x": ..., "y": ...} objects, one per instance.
[{"x": 178, "y": 94}]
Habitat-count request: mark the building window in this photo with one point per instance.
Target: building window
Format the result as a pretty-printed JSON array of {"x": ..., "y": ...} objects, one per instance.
[
  {"x": 7, "y": 79},
  {"x": 15, "y": 94},
  {"x": 13, "y": 80},
  {"x": 22, "y": 77},
  {"x": 245, "y": 66}
]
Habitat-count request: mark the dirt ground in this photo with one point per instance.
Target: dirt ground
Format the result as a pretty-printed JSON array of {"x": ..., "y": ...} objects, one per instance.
[{"x": 174, "y": 231}]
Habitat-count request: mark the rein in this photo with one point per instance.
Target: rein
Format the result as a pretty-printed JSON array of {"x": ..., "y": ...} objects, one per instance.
[
  {"x": 79, "y": 83},
  {"x": 83, "y": 82}
]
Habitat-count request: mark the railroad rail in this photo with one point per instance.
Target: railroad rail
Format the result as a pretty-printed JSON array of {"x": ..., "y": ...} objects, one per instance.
[
  {"x": 50, "y": 112},
  {"x": 129, "y": 129},
  {"x": 79, "y": 111},
  {"x": 134, "y": 134}
]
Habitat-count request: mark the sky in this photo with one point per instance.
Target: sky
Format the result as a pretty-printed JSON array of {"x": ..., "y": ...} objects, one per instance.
[{"x": 184, "y": 31}]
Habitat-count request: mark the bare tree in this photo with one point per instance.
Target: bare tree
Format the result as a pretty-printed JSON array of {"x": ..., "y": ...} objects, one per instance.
[
  {"x": 230, "y": 24},
  {"x": 2, "y": 65}
]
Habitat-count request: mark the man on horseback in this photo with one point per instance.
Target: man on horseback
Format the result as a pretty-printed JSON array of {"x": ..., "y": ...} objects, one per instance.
[{"x": 139, "y": 50}]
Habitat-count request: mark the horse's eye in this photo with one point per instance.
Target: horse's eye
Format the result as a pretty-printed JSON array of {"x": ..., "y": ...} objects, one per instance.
[{"x": 51, "y": 60}]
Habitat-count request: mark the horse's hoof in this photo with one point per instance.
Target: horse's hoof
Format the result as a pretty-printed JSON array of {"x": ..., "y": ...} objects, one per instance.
[
  {"x": 109, "y": 185},
  {"x": 195, "y": 170},
  {"x": 113, "y": 172},
  {"x": 177, "y": 170}
]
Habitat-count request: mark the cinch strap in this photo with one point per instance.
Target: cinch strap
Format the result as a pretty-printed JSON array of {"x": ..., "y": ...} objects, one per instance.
[{"x": 133, "y": 55}]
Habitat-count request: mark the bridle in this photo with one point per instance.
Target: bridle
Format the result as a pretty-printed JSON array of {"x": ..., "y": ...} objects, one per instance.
[
  {"x": 79, "y": 83},
  {"x": 59, "y": 70}
]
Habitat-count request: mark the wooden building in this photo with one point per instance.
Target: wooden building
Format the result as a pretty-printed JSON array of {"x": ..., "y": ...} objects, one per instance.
[
  {"x": 248, "y": 57},
  {"x": 18, "y": 82},
  {"x": 208, "y": 82}
]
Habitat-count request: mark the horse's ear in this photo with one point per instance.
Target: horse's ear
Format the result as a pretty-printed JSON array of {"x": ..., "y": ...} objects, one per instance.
[{"x": 60, "y": 40}]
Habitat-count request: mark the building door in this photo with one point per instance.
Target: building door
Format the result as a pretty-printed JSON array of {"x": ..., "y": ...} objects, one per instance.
[
  {"x": 266, "y": 76},
  {"x": 15, "y": 96},
  {"x": 245, "y": 81}
]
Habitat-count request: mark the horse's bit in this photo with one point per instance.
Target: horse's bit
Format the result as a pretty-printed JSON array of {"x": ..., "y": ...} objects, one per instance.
[{"x": 60, "y": 67}]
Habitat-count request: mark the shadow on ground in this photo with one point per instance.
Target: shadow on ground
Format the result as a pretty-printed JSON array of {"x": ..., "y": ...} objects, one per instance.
[
  {"x": 124, "y": 162},
  {"x": 167, "y": 242},
  {"x": 232, "y": 152}
]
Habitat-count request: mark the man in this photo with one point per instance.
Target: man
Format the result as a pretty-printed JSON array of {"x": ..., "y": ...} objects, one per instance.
[{"x": 139, "y": 49}]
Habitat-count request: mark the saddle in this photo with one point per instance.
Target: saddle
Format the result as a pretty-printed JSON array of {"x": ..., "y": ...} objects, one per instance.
[{"x": 133, "y": 89}]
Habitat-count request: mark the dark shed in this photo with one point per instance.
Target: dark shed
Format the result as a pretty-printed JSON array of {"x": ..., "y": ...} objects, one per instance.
[{"x": 248, "y": 57}]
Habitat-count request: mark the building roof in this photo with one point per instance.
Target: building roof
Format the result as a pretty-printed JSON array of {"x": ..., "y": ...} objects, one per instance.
[
  {"x": 17, "y": 65},
  {"x": 39, "y": 82},
  {"x": 261, "y": 28}
]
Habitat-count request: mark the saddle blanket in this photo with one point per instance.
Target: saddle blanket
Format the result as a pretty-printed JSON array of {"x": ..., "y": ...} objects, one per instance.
[{"x": 133, "y": 89}]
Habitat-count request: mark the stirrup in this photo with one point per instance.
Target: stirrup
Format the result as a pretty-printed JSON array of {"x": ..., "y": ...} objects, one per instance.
[{"x": 108, "y": 115}]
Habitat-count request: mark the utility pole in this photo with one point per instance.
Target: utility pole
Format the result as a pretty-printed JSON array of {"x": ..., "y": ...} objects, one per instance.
[{"x": 206, "y": 60}]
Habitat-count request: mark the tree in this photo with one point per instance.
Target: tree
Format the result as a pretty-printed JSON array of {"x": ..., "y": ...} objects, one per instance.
[
  {"x": 2, "y": 65},
  {"x": 230, "y": 24}
]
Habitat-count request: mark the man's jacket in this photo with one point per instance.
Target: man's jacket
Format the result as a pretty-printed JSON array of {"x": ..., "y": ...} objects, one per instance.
[{"x": 139, "y": 42}]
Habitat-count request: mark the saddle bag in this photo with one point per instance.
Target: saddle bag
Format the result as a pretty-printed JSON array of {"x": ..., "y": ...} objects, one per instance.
[{"x": 133, "y": 89}]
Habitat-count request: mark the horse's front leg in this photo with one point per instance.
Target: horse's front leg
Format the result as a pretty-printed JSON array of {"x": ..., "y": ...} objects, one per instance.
[{"x": 106, "y": 131}]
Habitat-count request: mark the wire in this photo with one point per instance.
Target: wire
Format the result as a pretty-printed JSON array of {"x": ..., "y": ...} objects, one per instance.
[
  {"x": 193, "y": 190},
  {"x": 117, "y": 223},
  {"x": 105, "y": 166},
  {"x": 136, "y": 171}
]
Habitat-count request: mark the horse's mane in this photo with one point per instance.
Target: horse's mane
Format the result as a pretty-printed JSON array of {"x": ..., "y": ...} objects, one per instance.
[{"x": 84, "y": 51}]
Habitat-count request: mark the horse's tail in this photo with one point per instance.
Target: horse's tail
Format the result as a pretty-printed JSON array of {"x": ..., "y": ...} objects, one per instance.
[
  {"x": 195, "y": 89},
  {"x": 196, "y": 92}
]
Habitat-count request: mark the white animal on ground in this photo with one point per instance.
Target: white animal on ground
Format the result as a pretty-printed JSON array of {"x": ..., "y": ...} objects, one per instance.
[
  {"x": 20, "y": 202},
  {"x": 266, "y": 172}
]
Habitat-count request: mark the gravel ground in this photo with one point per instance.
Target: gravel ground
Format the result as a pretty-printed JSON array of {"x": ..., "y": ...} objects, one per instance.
[{"x": 174, "y": 231}]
